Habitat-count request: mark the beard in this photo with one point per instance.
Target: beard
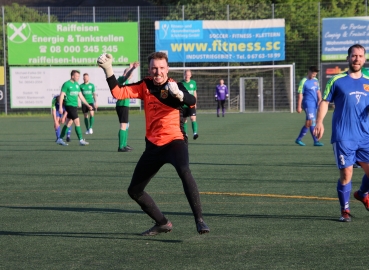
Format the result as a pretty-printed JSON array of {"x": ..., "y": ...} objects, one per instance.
[{"x": 354, "y": 68}]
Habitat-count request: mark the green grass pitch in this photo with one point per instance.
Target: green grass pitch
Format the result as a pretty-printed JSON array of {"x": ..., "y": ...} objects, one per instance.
[{"x": 269, "y": 203}]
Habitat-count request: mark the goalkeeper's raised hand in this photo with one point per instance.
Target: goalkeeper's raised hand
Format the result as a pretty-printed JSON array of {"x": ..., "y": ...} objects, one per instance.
[
  {"x": 105, "y": 61},
  {"x": 174, "y": 90}
]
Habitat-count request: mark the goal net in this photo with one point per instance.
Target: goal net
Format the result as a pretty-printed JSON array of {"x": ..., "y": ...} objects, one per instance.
[{"x": 268, "y": 88}]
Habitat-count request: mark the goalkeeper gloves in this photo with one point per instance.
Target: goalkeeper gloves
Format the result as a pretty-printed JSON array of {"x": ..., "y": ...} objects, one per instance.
[
  {"x": 105, "y": 61},
  {"x": 226, "y": 96},
  {"x": 216, "y": 98},
  {"x": 174, "y": 90}
]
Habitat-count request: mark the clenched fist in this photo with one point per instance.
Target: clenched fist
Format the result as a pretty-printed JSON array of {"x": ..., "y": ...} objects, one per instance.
[{"x": 174, "y": 90}]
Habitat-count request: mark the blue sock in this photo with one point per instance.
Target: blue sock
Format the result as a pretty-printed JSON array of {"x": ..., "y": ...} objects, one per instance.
[
  {"x": 311, "y": 131},
  {"x": 302, "y": 133},
  {"x": 364, "y": 188},
  {"x": 69, "y": 131},
  {"x": 343, "y": 192},
  {"x": 57, "y": 132}
]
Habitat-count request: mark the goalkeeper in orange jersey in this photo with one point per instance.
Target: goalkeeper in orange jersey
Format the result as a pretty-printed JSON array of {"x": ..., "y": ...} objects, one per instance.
[{"x": 165, "y": 140}]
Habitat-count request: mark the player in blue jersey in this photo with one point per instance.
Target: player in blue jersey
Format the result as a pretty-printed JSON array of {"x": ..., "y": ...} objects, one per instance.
[
  {"x": 309, "y": 97},
  {"x": 350, "y": 127},
  {"x": 59, "y": 118}
]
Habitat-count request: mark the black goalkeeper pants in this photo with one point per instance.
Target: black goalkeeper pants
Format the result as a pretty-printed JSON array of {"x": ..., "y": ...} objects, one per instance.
[
  {"x": 220, "y": 103},
  {"x": 152, "y": 159}
]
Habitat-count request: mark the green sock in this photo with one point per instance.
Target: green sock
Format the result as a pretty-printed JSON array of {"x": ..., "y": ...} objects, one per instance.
[
  {"x": 194, "y": 127},
  {"x": 78, "y": 132},
  {"x": 86, "y": 123},
  {"x": 185, "y": 127},
  {"x": 92, "y": 121},
  {"x": 126, "y": 138},
  {"x": 63, "y": 132},
  {"x": 121, "y": 136}
]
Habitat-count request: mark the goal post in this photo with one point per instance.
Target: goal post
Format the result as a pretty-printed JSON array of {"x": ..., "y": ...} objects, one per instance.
[{"x": 276, "y": 93}]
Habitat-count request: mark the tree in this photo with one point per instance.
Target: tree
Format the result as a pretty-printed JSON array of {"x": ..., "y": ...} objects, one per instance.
[
  {"x": 17, "y": 13},
  {"x": 207, "y": 2},
  {"x": 303, "y": 21}
]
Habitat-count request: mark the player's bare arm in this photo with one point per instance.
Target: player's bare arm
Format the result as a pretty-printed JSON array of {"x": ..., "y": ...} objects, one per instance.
[
  {"x": 95, "y": 99},
  {"x": 128, "y": 72},
  {"x": 195, "y": 95},
  {"x": 299, "y": 101},
  {"x": 322, "y": 111},
  {"x": 61, "y": 98},
  {"x": 319, "y": 94},
  {"x": 82, "y": 98},
  {"x": 54, "y": 117},
  {"x": 64, "y": 117}
]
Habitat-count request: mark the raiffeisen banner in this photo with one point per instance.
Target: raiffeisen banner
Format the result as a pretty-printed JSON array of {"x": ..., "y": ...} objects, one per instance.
[
  {"x": 71, "y": 43},
  {"x": 340, "y": 33},
  {"x": 221, "y": 41},
  {"x": 34, "y": 87}
]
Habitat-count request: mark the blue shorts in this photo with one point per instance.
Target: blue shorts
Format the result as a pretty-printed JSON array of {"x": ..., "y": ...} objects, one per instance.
[
  {"x": 347, "y": 153},
  {"x": 58, "y": 115},
  {"x": 311, "y": 115}
]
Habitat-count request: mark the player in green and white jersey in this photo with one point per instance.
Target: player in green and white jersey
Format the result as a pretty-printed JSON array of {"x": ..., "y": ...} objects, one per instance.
[
  {"x": 88, "y": 91},
  {"x": 122, "y": 109},
  {"x": 70, "y": 93},
  {"x": 191, "y": 87}
]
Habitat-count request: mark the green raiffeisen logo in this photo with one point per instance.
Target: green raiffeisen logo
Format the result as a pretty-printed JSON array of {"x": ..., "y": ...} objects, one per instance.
[
  {"x": 19, "y": 34},
  {"x": 71, "y": 43}
]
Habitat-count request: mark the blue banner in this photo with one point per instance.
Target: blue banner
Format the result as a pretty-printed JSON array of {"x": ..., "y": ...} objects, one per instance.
[
  {"x": 221, "y": 41},
  {"x": 340, "y": 33}
]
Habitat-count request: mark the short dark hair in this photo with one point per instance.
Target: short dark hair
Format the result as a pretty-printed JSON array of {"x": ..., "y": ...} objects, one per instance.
[
  {"x": 157, "y": 55},
  {"x": 85, "y": 74},
  {"x": 357, "y": 46},
  {"x": 74, "y": 72},
  {"x": 313, "y": 69}
]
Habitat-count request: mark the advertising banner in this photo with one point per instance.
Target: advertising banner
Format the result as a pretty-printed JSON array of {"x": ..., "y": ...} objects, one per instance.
[
  {"x": 35, "y": 87},
  {"x": 221, "y": 41},
  {"x": 2, "y": 76},
  {"x": 340, "y": 33},
  {"x": 2, "y": 82},
  {"x": 328, "y": 70},
  {"x": 71, "y": 43},
  {"x": 2, "y": 95}
]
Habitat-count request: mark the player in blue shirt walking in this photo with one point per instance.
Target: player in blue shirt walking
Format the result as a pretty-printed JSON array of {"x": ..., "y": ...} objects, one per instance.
[
  {"x": 309, "y": 97},
  {"x": 350, "y": 127}
]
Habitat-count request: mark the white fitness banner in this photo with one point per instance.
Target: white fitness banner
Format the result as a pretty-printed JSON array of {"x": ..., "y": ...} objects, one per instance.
[
  {"x": 34, "y": 87},
  {"x": 221, "y": 41}
]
